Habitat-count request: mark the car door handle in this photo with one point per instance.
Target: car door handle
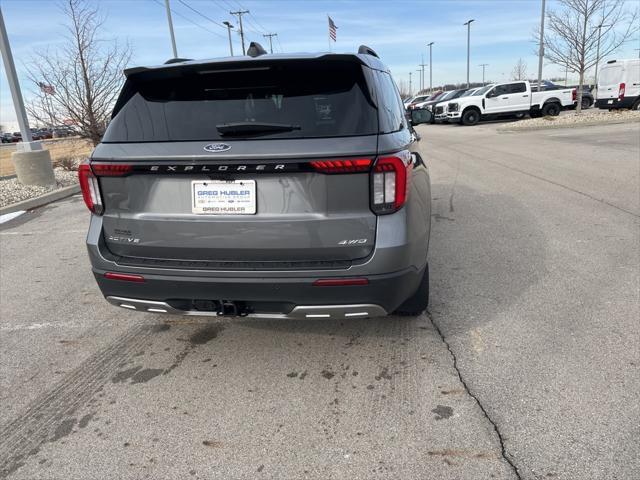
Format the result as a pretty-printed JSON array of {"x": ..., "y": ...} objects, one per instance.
[
  {"x": 505, "y": 98},
  {"x": 525, "y": 96}
]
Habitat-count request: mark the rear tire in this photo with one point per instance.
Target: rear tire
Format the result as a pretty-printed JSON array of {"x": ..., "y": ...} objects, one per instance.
[
  {"x": 419, "y": 301},
  {"x": 551, "y": 110},
  {"x": 470, "y": 117},
  {"x": 586, "y": 103},
  {"x": 636, "y": 106}
]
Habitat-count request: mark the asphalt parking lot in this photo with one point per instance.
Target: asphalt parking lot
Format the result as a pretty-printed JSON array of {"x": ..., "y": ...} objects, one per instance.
[{"x": 527, "y": 365}]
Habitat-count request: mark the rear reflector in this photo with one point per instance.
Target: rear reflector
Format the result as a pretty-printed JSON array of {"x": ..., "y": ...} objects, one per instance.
[
  {"x": 90, "y": 188},
  {"x": 126, "y": 277},
  {"x": 340, "y": 282},
  {"x": 342, "y": 165}
]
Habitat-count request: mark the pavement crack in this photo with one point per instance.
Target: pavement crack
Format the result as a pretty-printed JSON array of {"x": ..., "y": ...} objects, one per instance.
[{"x": 505, "y": 455}]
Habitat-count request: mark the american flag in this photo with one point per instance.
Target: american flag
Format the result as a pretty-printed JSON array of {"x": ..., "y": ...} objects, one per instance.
[
  {"x": 332, "y": 29},
  {"x": 47, "y": 89}
]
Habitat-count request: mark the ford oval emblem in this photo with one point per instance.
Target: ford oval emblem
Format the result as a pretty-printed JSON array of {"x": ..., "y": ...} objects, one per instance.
[{"x": 217, "y": 147}]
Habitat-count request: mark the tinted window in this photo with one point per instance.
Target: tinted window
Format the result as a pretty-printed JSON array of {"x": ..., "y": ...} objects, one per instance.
[
  {"x": 501, "y": 90},
  {"x": 517, "y": 88},
  {"x": 483, "y": 90},
  {"x": 319, "y": 98},
  {"x": 390, "y": 107}
]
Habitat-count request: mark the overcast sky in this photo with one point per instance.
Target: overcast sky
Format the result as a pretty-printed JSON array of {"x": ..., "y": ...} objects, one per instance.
[{"x": 398, "y": 30}]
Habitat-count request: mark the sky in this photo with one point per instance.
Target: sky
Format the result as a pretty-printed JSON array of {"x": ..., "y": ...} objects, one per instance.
[{"x": 398, "y": 30}]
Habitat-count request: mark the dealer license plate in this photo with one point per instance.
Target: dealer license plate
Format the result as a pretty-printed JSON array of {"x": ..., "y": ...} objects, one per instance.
[{"x": 216, "y": 197}]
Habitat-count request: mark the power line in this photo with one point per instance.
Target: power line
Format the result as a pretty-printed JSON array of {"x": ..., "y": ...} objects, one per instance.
[
  {"x": 189, "y": 20},
  {"x": 239, "y": 13},
  {"x": 201, "y": 14}
]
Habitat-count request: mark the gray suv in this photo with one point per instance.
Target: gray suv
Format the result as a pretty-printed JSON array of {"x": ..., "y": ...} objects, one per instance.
[{"x": 272, "y": 186}]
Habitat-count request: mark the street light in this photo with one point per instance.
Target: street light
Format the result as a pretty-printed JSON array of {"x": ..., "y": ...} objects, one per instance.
[
  {"x": 468, "y": 24},
  {"x": 430, "y": 68},
  {"x": 410, "y": 89},
  {"x": 599, "y": 27},
  {"x": 229, "y": 27}
]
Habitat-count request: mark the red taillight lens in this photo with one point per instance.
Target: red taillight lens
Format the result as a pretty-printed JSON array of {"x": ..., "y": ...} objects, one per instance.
[
  {"x": 574, "y": 95},
  {"x": 621, "y": 92},
  {"x": 111, "y": 169},
  {"x": 340, "y": 282},
  {"x": 90, "y": 188},
  {"x": 127, "y": 277},
  {"x": 342, "y": 166},
  {"x": 390, "y": 182}
]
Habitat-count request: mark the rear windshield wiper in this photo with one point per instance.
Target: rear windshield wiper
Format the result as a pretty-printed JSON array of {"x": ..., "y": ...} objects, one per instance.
[{"x": 254, "y": 127}]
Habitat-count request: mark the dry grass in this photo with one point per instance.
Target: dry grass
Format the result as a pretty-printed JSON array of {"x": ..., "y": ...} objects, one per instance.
[{"x": 62, "y": 149}]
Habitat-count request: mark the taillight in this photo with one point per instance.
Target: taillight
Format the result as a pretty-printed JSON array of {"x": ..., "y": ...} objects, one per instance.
[
  {"x": 342, "y": 166},
  {"x": 90, "y": 188},
  {"x": 111, "y": 169},
  {"x": 126, "y": 277},
  {"x": 390, "y": 182},
  {"x": 621, "y": 92},
  {"x": 574, "y": 95}
]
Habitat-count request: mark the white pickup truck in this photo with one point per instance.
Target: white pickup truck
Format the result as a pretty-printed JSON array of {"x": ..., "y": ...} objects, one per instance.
[{"x": 513, "y": 98}]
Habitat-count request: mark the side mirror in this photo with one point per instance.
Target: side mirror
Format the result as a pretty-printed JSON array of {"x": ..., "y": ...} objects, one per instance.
[{"x": 420, "y": 115}]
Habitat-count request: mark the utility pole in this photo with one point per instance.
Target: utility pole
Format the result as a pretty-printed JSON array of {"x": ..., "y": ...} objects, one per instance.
[
  {"x": 229, "y": 27},
  {"x": 419, "y": 73},
  {"x": 430, "y": 68},
  {"x": 410, "y": 89},
  {"x": 599, "y": 27},
  {"x": 239, "y": 13},
  {"x": 483, "y": 65},
  {"x": 173, "y": 36},
  {"x": 270, "y": 37},
  {"x": 468, "y": 24},
  {"x": 422, "y": 65},
  {"x": 541, "y": 51}
]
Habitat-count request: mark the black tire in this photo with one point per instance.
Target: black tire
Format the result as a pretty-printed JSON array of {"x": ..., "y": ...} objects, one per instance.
[
  {"x": 586, "y": 103},
  {"x": 551, "y": 109},
  {"x": 419, "y": 301},
  {"x": 470, "y": 117},
  {"x": 636, "y": 106}
]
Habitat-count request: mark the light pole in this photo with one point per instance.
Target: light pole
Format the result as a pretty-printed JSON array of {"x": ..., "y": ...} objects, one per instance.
[
  {"x": 483, "y": 65},
  {"x": 239, "y": 13},
  {"x": 410, "y": 89},
  {"x": 468, "y": 24},
  {"x": 599, "y": 27},
  {"x": 419, "y": 73},
  {"x": 541, "y": 51},
  {"x": 229, "y": 27},
  {"x": 430, "y": 68},
  {"x": 173, "y": 37}
]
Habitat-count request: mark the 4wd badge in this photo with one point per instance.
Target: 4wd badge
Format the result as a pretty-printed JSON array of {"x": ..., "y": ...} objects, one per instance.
[{"x": 217, "y": 147}]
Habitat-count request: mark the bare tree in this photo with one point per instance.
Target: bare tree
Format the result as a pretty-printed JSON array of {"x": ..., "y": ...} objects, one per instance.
[
  {"x": 519, "y": 71},
  {"x": 80, "y": 82},
  {"x": 576, "y": 28},
  {"x": 403, "y": 87}
]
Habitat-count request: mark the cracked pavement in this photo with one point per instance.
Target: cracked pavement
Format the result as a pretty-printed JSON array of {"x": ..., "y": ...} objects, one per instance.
[{"x": 526, "y": 365}]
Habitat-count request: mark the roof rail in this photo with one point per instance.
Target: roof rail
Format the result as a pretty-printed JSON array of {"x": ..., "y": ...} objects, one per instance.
[
  {"x": 367, "y": 51},
  {"x": 255, "y": 50},
  {"x": 177, "y": 60}
]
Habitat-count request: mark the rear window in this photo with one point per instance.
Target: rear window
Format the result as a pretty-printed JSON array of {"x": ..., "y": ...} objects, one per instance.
[{"x": 319, "y": 99}]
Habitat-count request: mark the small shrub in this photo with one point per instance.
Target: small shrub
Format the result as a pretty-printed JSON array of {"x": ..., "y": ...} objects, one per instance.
[{"x": 67, "y": 163}]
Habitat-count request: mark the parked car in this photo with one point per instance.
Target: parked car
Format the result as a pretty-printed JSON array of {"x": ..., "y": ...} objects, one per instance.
[
  {"x": 430, "y": 99},
  {"x": 288, "y": 186},
  {"x": 439, "y": 109},
  {"x": 7, "y": 138},
  {"x": 508, "y": 99},
  {"x": 415, "y": 100},
  {"x": 619, "y": 85},
  {"x": 587, "y": 95}
]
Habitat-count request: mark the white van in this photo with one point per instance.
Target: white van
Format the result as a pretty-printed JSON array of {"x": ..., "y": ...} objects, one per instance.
[{"x": 619, "y": 84}]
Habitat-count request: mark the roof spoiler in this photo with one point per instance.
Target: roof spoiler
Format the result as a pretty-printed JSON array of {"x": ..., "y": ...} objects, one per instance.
[{"x": 363, "y": 49}]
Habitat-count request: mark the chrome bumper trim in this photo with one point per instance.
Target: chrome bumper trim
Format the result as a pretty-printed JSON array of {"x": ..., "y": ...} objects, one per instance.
[{"x": 301, "y": 312}]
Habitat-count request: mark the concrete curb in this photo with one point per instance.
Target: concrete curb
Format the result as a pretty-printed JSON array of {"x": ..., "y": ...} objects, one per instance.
[
  {"x": 45, "y": 199},
  {"x": 507, "y": 129}
]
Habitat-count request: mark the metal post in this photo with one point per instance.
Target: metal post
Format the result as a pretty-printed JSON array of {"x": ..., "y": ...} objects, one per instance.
[
  {"x": 229, "y": 27},
  {"x": 483, "y": 65},
  {"x": 14, "y": 87},
  {"x": 419, "y": 73},
  {"x": 270, "y": 37},
  {"x": 173, "y": 37},
  {"x": 541, "y": 51},
  {"x": 239, "y": 13},
  {"x": 430, "y": 68},
  {"x": 410, "y": 88},
  {"x": 598, "y": 51},
  {"x": 468, "y": 24}
]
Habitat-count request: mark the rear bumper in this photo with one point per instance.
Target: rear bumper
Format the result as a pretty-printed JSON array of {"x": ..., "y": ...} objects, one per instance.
[
  {"x": 283, "y": 297},
  {"x": 605, "y": 103}
]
